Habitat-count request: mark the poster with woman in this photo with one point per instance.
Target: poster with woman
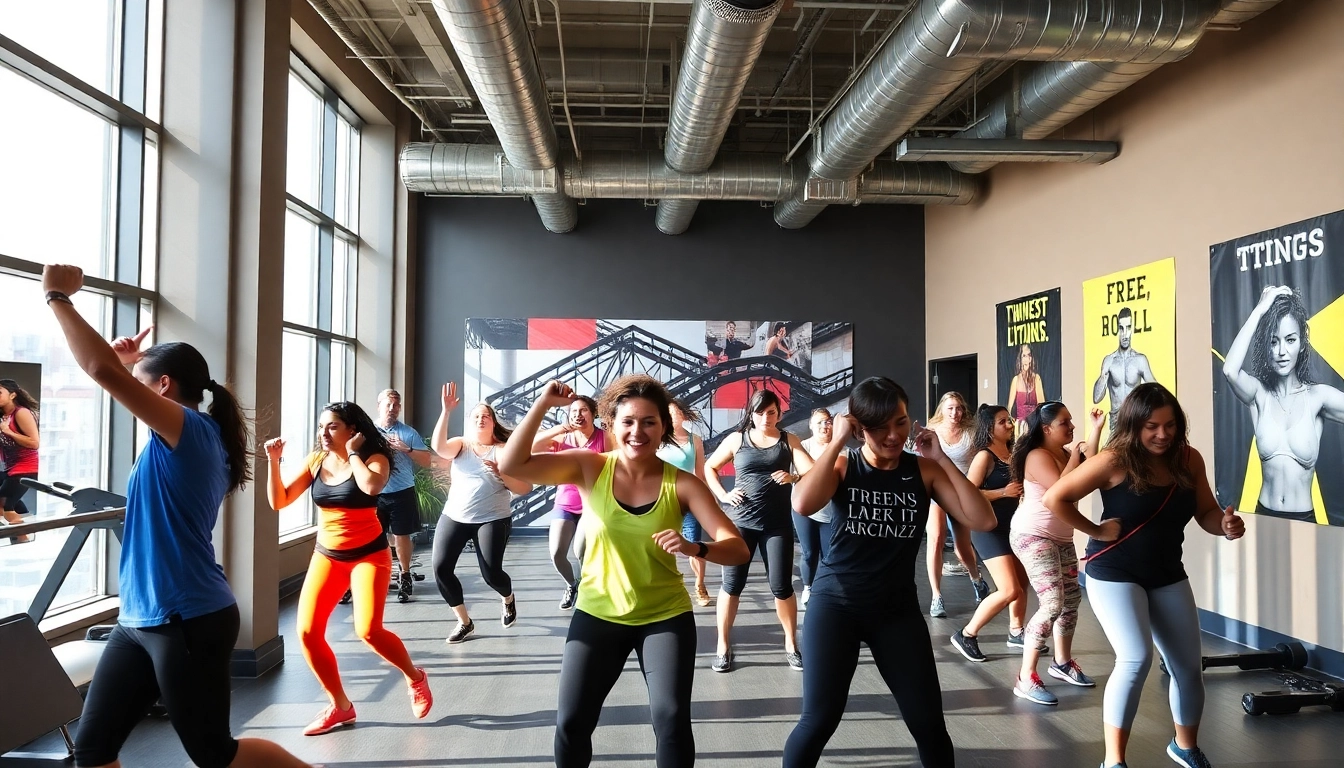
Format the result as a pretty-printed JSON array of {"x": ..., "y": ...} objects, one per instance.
[
  {"x": 1278, "y": 354},
  {"x": 1029, "y": 353}
]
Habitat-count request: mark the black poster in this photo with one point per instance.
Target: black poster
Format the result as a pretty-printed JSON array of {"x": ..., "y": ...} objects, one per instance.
[
  {"x": 1277, "y": 299},
  {"x": 1029, "y": 352}
]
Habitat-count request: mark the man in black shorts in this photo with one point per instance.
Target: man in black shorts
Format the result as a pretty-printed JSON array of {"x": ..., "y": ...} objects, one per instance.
[{"x": 398, "y": 504}]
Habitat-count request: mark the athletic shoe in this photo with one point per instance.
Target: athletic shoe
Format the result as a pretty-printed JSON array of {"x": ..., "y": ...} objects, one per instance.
[
  {"x": 347, "y": 597},
  {"x": 1034, "y": 690},
  {"x": 1072, "y": 674},
  {"x": 955, "y": 569},
  {"x": 1190, "y": 758},
  {"x": 723, "y": 663},
  {"x": 406, "y": 589},
  {"x": 1018, "y": 642},
  {"x": 982, "y": 589},
  {"x": 329, "y": 720},
  {"x": 1117, "y": 765},
  {"x": 421, "y": 698},
  {"x": 807, "y": 593},
  {"x": 701, "y": 596},
  {"x": 969, "y": 646},
  {"x": 936, "y": 609},
  {"x": 795, "y": 660},
  {"x": 461, "y": 632},
  {"x": 510, "y": 613},
  {"x": 571, "y": 597},
  {"x": 417, "y": 576}
]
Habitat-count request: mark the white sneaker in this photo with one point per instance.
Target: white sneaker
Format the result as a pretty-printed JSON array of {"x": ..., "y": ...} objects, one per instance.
[{"x": 807, "y": 592}]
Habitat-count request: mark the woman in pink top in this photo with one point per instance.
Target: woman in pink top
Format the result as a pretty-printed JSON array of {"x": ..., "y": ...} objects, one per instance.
[
  {"x": 578, "y": 431},
  {"x": 1044, "y": 544}
]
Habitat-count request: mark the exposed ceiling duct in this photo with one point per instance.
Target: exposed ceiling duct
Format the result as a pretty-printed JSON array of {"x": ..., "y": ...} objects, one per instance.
[
  {"x": 492, "y": 41},
  {"x": 940, "y": 44},
  {"x": 723, "y": 42},
  {"x": 1054, "y": 94},
  {"x": 481, "y": 170}
]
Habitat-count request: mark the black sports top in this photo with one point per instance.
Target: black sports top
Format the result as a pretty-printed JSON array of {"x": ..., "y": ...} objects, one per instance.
[
  {"x": 875, "y": 535},
  {"x": 346, "y": 495},
  {"x": 1150, "y": 558},
  {"x": 997, "y": 478},
  {"x": 765, "y": 503}
]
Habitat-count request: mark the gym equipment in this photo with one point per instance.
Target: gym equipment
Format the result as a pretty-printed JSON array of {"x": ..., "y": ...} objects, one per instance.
[
  {"x": 1283, "y": 656},
  {"x": 1303, "y": 691}
]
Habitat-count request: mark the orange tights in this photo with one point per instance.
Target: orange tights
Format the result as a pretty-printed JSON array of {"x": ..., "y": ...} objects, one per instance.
[{"x": 326, "y": 581}]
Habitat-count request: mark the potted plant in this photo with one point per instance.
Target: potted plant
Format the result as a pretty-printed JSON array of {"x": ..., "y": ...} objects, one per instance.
[{"x": 431, "y": 490}]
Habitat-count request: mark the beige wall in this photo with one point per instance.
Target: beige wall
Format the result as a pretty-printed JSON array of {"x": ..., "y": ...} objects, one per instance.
[{"x": 1244, "y": 135}]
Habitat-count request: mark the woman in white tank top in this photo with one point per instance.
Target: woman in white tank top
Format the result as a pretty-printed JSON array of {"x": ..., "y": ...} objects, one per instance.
[{"x": 954, "y": 424}]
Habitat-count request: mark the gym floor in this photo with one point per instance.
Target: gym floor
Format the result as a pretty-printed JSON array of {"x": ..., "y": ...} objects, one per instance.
[{"x": 495, "y": 696}]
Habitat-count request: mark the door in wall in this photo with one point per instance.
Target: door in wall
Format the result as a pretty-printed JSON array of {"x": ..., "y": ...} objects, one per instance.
[{"x": 954, "y": 374}]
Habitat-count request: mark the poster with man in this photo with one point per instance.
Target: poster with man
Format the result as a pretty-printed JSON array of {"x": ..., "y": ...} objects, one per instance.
[
  {"x": 1029, "y": 353},
  {"x": 1129, "y": 336},
  {"x": 1278, "y": 370}
]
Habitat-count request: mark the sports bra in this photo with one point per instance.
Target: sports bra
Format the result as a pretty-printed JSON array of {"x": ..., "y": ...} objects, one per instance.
[{"x": 1275, "y": 436}]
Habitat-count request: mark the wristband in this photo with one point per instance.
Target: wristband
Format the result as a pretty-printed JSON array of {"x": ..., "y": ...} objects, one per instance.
[
  {"x": 703, "y": 550},
  {"x": 58, "y": 296}
]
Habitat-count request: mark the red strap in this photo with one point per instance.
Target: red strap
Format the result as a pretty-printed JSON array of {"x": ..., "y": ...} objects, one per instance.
[{"x": 1121, "y": 540}]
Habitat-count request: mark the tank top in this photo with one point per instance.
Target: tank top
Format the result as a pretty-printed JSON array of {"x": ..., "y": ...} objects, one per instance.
[
  {"x": 960, "y": 453},
  {"x": 347, "y": 517},
  {"x": 1150, "y": 558},
  {"x": 627, "y": 578},
  {"x": 680, "y": 456},
  {"x": 826, "y": 513},
  {"x": 999, "y": 477},
  {"x": 17, "y": 459},
  {"x": 875, "y": 537},
  {"x": 1034, "y": 518},
  {"x": 567, "y": 497},
  {"x": 475, "y": 494},
  {"x": 1025, "y": 402},
  {"x": 766, "y": 505}
]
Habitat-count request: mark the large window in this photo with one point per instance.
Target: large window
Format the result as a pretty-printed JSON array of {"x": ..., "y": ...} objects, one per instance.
[
  {"x": 321, "y": 243},
  {"x": 78, "y": 149}
]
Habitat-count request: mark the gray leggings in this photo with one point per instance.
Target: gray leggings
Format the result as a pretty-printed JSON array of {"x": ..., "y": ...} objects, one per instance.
[{"x": 1133, "y": 618}]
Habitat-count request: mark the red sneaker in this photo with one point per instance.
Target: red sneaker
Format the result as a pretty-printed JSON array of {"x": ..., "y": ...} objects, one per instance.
[
  {"x": 421, "y": 698},
  {"x": 332, "y": 717}
]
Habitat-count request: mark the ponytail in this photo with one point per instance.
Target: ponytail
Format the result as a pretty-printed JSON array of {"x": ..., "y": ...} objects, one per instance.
[{"x": 234, "y": 431}]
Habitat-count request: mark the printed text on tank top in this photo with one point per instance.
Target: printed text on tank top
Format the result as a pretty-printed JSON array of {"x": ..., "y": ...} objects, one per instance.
[{"x": 1284, "y": 430}]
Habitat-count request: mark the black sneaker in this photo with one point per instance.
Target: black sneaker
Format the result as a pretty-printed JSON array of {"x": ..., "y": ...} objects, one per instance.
[
  {"x": 406, "y": 589},
  {"x": 510, "y": 613},
  {"x": 347, "y": 597},
  {"x": 724, "y": 663},
  {"x": 461, "y": 632},
  {"x": 795, "y": 660},
  {"x": 969, "y": 646},
  {"x": 417, "y": 576},
  {"x": 1018, "y": 643},
  {"x": 571, "y": 596}
]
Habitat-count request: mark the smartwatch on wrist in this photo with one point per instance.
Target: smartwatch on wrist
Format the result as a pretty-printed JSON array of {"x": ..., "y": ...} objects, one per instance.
[{"x": 703, "y": 549}]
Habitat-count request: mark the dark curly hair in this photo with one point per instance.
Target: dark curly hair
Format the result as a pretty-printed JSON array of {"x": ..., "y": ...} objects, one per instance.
[
  {"x": 984, "y": 426},
  {"x": 354, "y": 417},
  {"x": 1260, "y": 364},
  {"x": 637, "y": 386},
  {"x": 21, "y": 397}
]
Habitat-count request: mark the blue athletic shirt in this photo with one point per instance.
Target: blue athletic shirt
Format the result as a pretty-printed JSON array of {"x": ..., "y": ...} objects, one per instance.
[
  {"x": 173, "y": 496},
  {"x": 403, "y": 469}
]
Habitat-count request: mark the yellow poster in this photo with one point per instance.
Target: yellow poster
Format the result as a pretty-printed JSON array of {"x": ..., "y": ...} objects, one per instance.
[{"x": 1129, "y": 336}]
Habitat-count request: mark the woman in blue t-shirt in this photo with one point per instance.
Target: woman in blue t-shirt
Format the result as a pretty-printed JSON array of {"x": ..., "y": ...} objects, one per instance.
[
  {"x": 864, "y": 590},
  {"x": 1152, "y": 485},
  {"x": 178, "y": 620}
]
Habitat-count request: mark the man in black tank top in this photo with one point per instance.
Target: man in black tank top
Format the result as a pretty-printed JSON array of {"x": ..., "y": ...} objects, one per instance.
[{"x": 864, "y": 591}]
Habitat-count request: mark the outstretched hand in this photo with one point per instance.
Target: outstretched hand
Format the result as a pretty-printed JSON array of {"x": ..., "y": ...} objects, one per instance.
[{"x": 449, "y": 396}]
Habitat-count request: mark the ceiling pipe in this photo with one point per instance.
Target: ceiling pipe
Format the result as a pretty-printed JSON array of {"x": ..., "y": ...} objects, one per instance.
[
  {"x": 493, "y": 43},
  {"x": 723, "y": 41},
  {"x": 941, "y": 43}
]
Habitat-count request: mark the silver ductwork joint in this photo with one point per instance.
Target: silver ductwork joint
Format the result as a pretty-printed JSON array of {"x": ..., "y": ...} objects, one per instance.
[
  {"x": 940, "y": 44},
  {"x": 492, "y": 41},
  {"x": 723, "y": 42}
]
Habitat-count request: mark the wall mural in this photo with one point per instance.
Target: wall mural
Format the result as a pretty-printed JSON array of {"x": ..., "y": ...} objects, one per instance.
[
  {"x": 712, "y": 365},
  {"x": 1278, "y": 360},
  {"x": 1029, "y": 353},
  {"x": 1129, "y": 336}
]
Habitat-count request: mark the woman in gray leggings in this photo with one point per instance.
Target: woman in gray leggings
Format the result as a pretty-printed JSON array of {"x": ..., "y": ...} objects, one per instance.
[{"x": 1152, "y": 484}]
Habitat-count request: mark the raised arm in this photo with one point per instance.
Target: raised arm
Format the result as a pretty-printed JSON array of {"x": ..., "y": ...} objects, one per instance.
[
  {"x": 105, "y": 365},
  {"x": 1211, "y": 517},
  {"x": 727, "y": 547},
  {"x": 1062, "y": 497},
  {"x": 279, "y": 491},
  {"x": 817, "y": 486},
  {"x": 1093, "y": 445},
  {"x": 721, "y": 456},
  {"x": 1244, "y": 385},
  {"x": 443, "y": 446},
  {"x": 953, "y": 492},
  {"x": 1332, "y": 402},
  {"x": 517, "y": 460}
]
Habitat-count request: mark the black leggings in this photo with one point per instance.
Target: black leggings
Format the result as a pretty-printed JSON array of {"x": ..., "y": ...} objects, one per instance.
[
  {"x": 595, "y": 654},
  {"x": 12, "y": 491},
  {"x": 814, "y": 541},
  {"x": 184, "y": 663},
  {"x": 899, "y": 641},
  {"x": 776, "y": 546},
  {"x": 491, "y": 538}
]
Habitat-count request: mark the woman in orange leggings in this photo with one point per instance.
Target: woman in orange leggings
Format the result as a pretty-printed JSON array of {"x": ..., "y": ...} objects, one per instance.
[{"x": 345, "y": 473}]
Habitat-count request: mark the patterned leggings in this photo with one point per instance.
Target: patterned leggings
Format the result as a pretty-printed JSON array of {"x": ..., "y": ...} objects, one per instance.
[{"x": 1052, "y": 568}]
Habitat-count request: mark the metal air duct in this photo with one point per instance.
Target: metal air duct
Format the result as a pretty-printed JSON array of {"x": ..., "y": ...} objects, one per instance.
[
  {"x": 940, "y": 44},
  {"x": 725, "y": 38},
  {"x": 492, "y": 41}
]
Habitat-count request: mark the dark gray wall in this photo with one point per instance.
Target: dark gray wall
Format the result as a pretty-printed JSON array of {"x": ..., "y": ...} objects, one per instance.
[{"x": 492, "y": 258}]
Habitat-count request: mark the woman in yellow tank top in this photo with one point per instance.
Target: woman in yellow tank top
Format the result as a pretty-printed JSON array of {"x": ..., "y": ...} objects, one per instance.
[{"x": 631, "y": 595}]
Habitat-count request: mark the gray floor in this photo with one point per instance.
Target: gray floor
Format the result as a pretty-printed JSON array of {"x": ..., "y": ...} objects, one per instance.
[{"x": 495, "y": 696}]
